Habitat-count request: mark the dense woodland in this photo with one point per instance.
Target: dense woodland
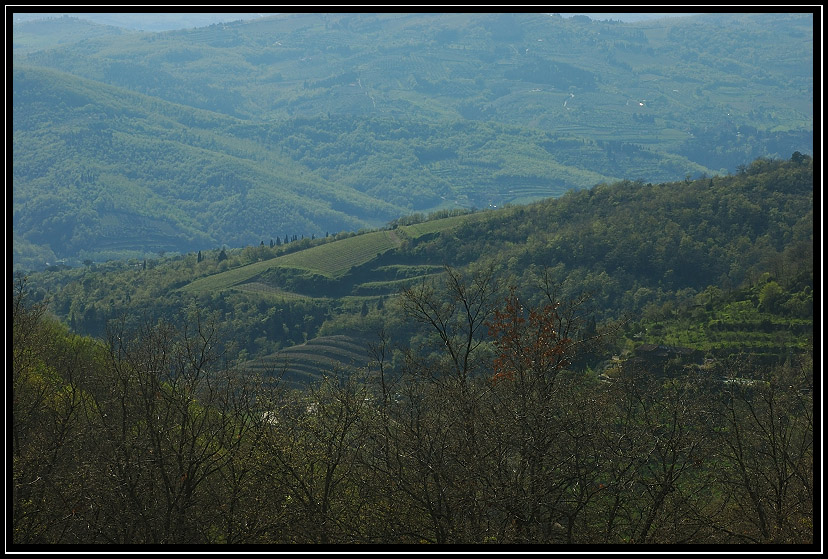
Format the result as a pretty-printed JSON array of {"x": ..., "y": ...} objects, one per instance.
[
  {"x": 146, "y": 437},
  {"x": 484, "y": 411}
]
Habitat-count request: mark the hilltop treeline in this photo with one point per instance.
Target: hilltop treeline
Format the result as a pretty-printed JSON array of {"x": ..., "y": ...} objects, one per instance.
[
  {"x": 630, "y": 242},
  {"x": 643, "y": 250}
]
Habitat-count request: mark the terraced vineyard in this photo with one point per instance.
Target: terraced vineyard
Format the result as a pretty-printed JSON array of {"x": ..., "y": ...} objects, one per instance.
[
  {"x": 299, "y": 365},
  {"x": 395, "y": 278},
  {"x": 437, "y": 225},
  {"x": 735, "y": 327},
  {"x": 265, "y": 290}
]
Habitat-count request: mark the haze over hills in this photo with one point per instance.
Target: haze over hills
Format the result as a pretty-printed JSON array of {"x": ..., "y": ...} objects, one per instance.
[
  {"x": 413, "y": 278},
  {"x": 166, "y": 21},
  {"x": 626, "y": 17},
  {"x": 129, "y": 143},
  {"x": 162, "y": 21}
]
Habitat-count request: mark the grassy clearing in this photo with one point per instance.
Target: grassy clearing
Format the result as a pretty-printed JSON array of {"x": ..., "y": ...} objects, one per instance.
[
  {"x": 265, "y": 290},
  {"x": 335, "y": 259},
  {"x": 331, "y": 260}
]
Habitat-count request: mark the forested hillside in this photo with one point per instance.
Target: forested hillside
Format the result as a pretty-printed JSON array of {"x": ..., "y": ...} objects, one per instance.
[
  {"x": 538, "y": 390},
  {"x": 640, "y": 250},
  {"x": 94, "y": 180},
  {"x": 409, "y": 278},
  {"x": 128, "y": 144}
]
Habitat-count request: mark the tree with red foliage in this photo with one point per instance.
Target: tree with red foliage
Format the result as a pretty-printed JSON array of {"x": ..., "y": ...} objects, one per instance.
[{"x": 532, "y": 342}]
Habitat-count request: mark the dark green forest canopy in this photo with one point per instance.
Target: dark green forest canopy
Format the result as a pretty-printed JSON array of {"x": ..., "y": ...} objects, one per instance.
[{"x": 127, "y": 144}]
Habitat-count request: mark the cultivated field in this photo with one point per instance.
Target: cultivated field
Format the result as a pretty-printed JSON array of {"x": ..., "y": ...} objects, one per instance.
[
  {"x": 332, "y": 259},
  {"x": 326, "y": 355}
]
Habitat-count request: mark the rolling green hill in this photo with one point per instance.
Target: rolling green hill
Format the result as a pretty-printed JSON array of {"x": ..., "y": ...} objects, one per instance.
[
  {"x": 164, "y": 177},
  {"x": 160, "y": 177},
  {"x": 670, "y": 259},
  {"x": 32, "y": 35},
  {"x": 330, "y": 260},
  {"x": 437, "y": 64},
  {"x": 127, "y": 144}
]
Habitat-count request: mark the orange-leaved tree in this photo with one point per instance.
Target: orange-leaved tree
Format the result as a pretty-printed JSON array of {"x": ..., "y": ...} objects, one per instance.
[{"x": 532, "y": 344}]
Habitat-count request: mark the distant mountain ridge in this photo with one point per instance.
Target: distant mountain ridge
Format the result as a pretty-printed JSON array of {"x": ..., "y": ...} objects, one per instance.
[
  {"x": 141, "y": 21},
  {"x": 130, "y": 143}
]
